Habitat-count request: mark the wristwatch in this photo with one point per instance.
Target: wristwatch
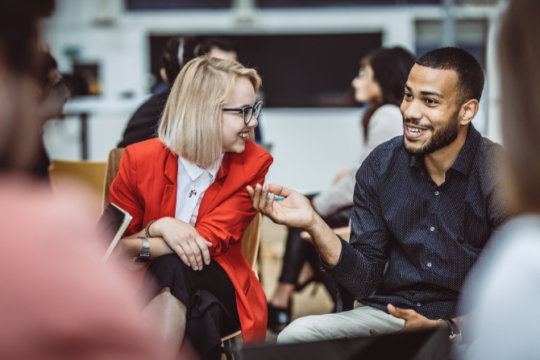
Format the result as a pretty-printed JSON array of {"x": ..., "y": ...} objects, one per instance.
[
  {"x": 144, "y": 256},
  {"x": 455, "y": 333}
]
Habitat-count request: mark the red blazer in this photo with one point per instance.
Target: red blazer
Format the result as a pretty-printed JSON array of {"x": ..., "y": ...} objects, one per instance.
[{"x": 146, "y": 188}]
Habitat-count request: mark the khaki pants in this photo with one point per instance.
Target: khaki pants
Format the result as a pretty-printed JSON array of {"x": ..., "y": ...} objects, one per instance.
[{"x": 352, "y": 323}]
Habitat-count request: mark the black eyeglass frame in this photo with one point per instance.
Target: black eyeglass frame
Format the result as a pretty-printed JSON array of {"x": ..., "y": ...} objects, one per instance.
[{"x": 255, "y": 110}]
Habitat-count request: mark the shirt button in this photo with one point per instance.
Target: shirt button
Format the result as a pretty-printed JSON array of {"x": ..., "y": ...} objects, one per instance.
[
  {"x": 418, "y": 304},
  {"x": 436, "y": 193},
  {"x": 428, "y": 264},
  {"x": 432, "y": 228}
]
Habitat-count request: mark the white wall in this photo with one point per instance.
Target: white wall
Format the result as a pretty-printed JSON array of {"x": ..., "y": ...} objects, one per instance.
[{"x": 310, "y": 145}]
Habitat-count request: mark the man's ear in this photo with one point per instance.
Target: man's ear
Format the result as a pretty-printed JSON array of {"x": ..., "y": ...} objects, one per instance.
[{"x": 468, "y": 111}]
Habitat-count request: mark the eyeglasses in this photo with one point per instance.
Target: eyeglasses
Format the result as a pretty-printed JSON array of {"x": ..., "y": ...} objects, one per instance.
[
  {"x": 248, "y": 111},
  {"x": 362, "y": 74}
]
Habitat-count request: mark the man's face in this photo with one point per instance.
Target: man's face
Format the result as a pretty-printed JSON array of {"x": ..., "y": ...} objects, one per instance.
[
  {"x": 218, "y": 53},
  {"x": 430, "y": 110}
]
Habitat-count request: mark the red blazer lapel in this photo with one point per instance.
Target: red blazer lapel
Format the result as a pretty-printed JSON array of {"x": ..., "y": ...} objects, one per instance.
[
  {"x": 168, "y": 202},
  {"x": 211, "y": 195}
]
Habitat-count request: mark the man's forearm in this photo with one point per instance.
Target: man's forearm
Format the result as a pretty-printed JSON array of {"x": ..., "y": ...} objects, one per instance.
[{"x": 326, "y": 241}]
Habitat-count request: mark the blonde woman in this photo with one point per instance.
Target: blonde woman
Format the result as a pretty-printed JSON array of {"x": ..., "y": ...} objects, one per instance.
[{"x": 187, "y": 194}]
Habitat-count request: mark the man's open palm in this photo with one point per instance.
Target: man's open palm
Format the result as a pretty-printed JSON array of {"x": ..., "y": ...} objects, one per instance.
[{"x": 294, "y": 211}]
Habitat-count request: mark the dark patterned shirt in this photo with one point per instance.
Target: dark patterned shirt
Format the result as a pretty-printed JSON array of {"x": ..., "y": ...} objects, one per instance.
[{"x": 430, "y": 236}]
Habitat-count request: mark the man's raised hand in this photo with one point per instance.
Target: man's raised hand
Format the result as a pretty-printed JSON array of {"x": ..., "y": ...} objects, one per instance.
[{"x": 294, "y": 211}]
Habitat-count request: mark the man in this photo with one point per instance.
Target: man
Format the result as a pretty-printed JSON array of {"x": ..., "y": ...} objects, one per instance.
[
  {"x": 424, "y": 205},
  {"x": 143, "y": 124},
  {"x": 221, "y": 48}
]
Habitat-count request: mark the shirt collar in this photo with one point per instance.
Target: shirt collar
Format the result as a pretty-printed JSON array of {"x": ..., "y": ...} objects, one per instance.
[
  {"x": 465, "y": 159},
  {"x": 195, "y": 171}
]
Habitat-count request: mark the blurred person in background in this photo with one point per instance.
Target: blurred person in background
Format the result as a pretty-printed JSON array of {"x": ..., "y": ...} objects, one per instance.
[
  {"x": 379, "y": 85},
  {"x": 58, "y": 301},
  {"x": 425, "y": 205},
  {"x": 143, "y": 124},
  {"x": 186, "y": 191},
  {"x": 53, "y": 95},
  {"x": 503, "y": 292},
  {"x": 221, "y": 48}
]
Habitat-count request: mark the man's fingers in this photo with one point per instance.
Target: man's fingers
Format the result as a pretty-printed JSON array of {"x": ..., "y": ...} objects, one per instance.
[
  {"x": 256, "y": 196},
  {"x": 373, "y": 333},
  {"x": 269, "y": 207},
  {"x": 263, "y": 201},
  {"x": 278, "y": 190},
  {"x": 400, "y": 313}
]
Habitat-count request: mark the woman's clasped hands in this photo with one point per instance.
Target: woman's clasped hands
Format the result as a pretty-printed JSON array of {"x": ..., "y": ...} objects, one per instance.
[{"x": 184, "y": 240}]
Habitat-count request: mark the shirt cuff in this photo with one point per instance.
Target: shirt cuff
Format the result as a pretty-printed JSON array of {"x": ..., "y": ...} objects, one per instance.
[{"x": 345, "y": 259}]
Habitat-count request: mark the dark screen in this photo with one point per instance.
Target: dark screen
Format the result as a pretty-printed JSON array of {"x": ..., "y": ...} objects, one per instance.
[{"x": 298, "y": 70}]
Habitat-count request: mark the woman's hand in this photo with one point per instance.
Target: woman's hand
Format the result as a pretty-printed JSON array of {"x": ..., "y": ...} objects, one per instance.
[
  {"x": 294, "y": 211},
  {"x": 184, "y": 240}
]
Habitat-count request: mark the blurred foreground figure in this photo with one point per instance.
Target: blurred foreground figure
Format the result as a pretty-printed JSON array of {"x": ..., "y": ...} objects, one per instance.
[
  {"x": 504, "y": 290},
  {"x": 53, "y": 95},
  {"x": 58, "y": 301}
]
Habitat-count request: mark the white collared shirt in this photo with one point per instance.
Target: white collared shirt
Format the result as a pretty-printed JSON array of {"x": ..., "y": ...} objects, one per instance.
[{"x": 193, "y": 182}]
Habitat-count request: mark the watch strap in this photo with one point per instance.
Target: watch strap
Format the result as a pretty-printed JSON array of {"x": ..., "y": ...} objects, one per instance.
[
  {"x": 144, "y": 256},
  {"x": 454, "y": 329}
]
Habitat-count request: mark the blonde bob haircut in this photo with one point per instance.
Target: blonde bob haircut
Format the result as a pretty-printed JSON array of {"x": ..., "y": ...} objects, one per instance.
[{"x": 191, "y": 122}]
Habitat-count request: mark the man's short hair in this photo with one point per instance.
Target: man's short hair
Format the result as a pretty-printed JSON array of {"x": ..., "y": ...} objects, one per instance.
[
  {"x": 221, "y": 43},
  {"x": 178, "y": 52},
  {"x": 470, "y": 74}
]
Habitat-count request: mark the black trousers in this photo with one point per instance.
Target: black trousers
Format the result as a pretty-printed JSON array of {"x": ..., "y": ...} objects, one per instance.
[
  {"x": 298, "y": 251},
  {"x": 208, "y": 295}
]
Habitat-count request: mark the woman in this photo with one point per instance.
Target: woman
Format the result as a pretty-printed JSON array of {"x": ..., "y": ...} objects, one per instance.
[
  {"x": 187, "y": 194},
  {"x": 380, "y": 85},
  {"x": 502, "y": 293}
]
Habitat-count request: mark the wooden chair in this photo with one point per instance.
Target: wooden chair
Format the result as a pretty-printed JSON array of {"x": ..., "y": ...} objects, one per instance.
[
  {"x": 90, "y": 174},
  {"x": 113, "y": 165},
  {"x": 250, "y": 249}
]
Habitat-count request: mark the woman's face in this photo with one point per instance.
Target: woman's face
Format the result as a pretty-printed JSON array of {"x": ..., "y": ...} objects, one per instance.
[
  {"x": 233, "y": 130},
  {"x": 366, "y": 88}
]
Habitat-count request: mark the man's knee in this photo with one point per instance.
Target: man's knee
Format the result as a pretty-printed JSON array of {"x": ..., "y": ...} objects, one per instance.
[{"x": 300, "y": 330}]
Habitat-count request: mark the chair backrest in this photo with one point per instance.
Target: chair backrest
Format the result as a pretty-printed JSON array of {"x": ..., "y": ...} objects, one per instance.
[
  {"x": 89, "y": 173},
  {"x": 113, "y": 165},
  {"x": 251, "y": 240}
]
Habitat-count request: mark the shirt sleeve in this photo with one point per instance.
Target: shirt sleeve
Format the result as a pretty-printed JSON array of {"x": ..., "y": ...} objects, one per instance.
[{"x": 362, "y": 261}]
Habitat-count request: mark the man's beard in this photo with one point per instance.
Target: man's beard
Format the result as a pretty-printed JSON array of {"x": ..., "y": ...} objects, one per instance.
[{"x": 440, "y": 138}]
